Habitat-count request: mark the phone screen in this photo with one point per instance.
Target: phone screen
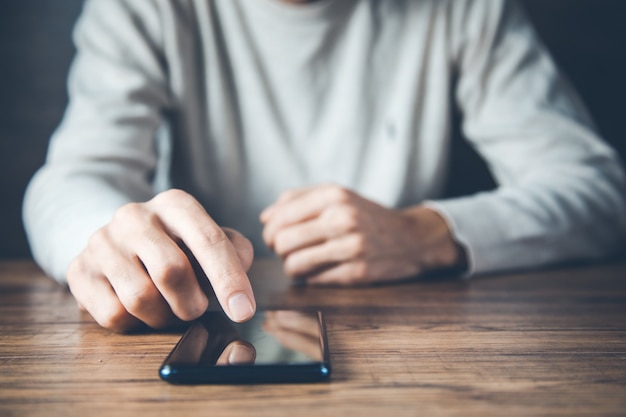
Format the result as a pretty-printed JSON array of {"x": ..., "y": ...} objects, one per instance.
[{"x": 274, "y": 346}]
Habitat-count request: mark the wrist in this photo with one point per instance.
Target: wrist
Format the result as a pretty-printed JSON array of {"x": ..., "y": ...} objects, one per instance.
[{"x": 435, "y": 245}]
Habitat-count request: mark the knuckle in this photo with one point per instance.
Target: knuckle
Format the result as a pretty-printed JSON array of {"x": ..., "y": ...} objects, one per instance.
[
  {"x": 358, "y": 246},
  {"x": 116, "y": 319},
  {"x": 268, "y": 237},
  {"x": 228, "y": 281},
  {"x": 139, "y": 300},
  {"x": 119, "y": 272},
  {"x": 100, "y": 239},
  {"x": 343, "y": 218},
  {"x": 281, "y": 242},
  {"x": 173, "y": 273},
  {"x": 152, "y": 233},
  {"x": 128, "y": 212},
  {"x": 287, "y": 195},
  {"x": 349, "y": 216},
  {"x": 172, "y": 196},
  {"x": 133, "y": 220},
  {"x": 292, "y": 267},
  {"x": 75, "y": 270},
  {"x": 209, "y": 238},
  {"x": 339, "y": 194},
  {"x": 290, "y": 270},
  {"x": 99, "y": 243},
  {"x": 359, "y": 273}
]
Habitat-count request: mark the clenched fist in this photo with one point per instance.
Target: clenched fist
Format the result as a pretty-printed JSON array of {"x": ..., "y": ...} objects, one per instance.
[{"x": 327, "y": 234}]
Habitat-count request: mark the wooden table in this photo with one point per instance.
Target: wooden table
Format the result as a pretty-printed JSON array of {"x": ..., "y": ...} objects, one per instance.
[{"x": 542, "y": 343}]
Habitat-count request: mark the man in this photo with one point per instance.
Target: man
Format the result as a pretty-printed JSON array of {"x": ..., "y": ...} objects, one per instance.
[{"x": 329, "y": 121}]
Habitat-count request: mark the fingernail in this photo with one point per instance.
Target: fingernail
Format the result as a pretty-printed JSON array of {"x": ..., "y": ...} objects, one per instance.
[
  {"x": 240, "y": 307},
  {"x": 240, "y": 354}
]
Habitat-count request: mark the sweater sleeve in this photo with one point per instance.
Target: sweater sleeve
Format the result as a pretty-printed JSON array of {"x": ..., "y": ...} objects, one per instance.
[
  {"x": 104, "y": 152},
  {"x": 561, "y": 189}
]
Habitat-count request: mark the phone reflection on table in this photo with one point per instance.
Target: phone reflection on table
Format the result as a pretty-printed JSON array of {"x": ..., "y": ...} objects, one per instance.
[{"x": 295, "y": 330}]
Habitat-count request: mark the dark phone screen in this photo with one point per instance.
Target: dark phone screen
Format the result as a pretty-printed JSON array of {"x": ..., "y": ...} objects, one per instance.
[{"x": 275, "y": 345}]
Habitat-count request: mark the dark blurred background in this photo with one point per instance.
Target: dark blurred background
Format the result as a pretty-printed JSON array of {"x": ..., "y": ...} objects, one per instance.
[{"x": 586, "y": 37}]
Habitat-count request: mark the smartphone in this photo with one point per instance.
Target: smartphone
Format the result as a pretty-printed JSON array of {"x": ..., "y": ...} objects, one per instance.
[{"x": 274, "y": 346}]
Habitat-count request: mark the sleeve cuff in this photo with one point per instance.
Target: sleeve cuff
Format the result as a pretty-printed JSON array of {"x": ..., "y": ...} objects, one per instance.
[{"x": 474, "y": 229}]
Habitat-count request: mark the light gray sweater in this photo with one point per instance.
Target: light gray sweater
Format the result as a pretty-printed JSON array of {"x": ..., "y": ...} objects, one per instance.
[{"x": 238, "y": 100}]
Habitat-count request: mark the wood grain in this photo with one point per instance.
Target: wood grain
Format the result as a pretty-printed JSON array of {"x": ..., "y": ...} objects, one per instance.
[{"x": 542, "y": 343}]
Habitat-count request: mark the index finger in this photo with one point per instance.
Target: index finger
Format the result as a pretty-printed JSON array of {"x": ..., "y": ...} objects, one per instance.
[{"x": 185, "y": 218}]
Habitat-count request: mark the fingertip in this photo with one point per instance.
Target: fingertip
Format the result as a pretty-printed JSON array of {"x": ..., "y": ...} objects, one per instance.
[
  {"x": 266, "y": 214},
  {"x": 241, "y": 307},
  {"x": 268, "y": 238}
]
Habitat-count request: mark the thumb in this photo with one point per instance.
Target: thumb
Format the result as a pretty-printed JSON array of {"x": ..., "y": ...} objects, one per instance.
[{"x": 242, "y": 246}]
